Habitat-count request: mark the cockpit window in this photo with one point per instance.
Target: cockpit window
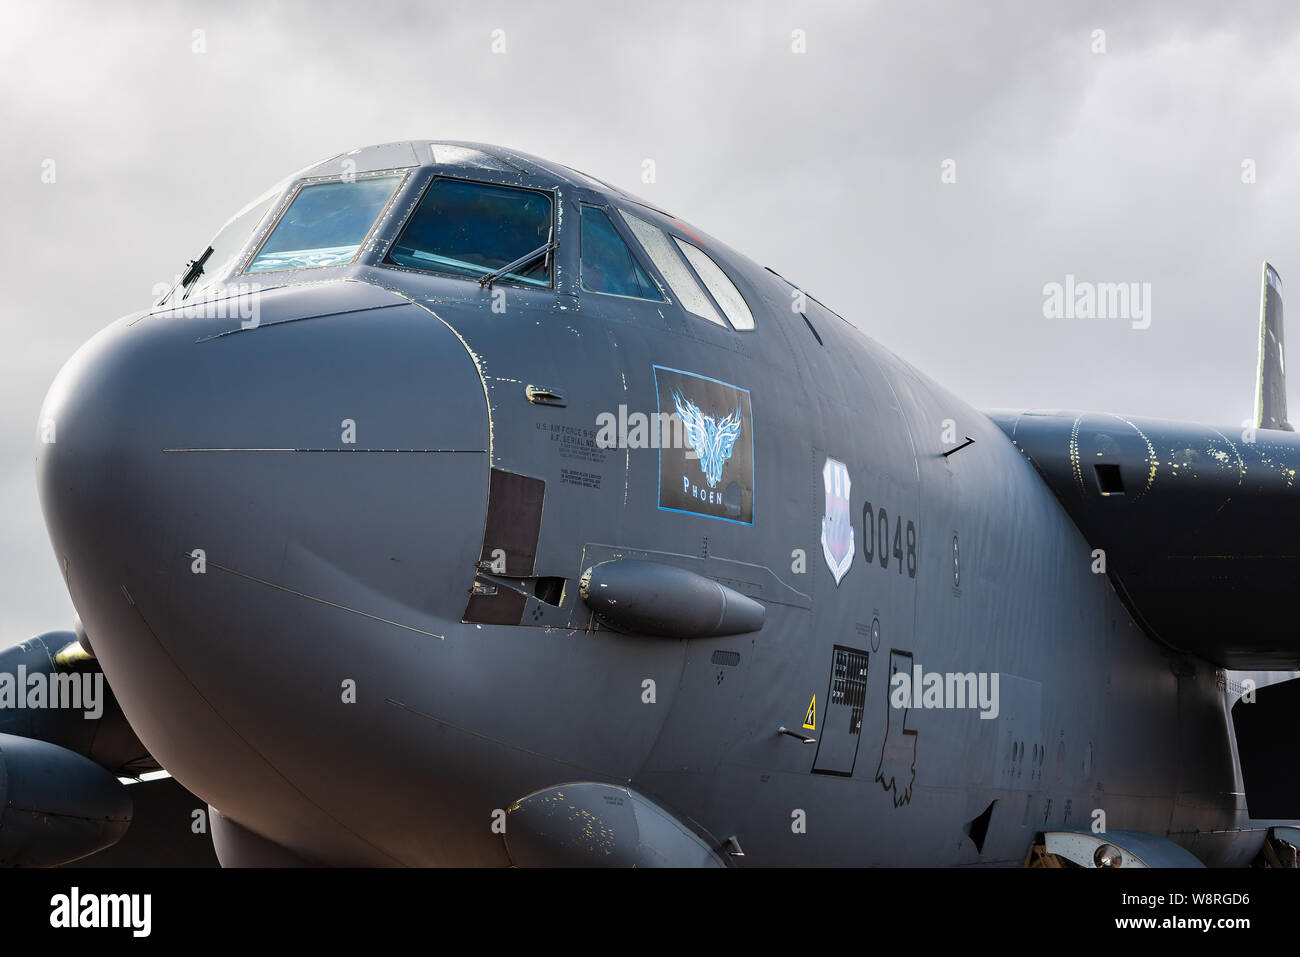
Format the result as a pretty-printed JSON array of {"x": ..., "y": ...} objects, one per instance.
[
  {"x": 231, "y": 241},
  {"x": 325, "y": 224},
  {"x": 670, "y": 265},
  {"x": 719, "y": 283},
  {"x": 472, "y": 229},
  {"x": 226, "y": 247},
  {"x": 608, "y": 265}
]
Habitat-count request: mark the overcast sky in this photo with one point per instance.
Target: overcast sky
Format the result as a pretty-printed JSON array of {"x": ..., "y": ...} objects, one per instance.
[{"x": 1116, "y": 166}]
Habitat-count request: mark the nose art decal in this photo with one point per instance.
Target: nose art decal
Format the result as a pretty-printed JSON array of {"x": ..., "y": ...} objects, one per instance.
[
  {"x": 712, "y": 439},
  {"x": 706, "y": 448}
]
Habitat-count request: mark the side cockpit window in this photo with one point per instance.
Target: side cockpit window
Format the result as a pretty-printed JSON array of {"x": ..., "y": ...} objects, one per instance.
[
  {"x": 724, "y": 291},
  {"x": 671, "y": 259},
  {"x": 680, "y": 280},
  {"x": 469, "y": 229},
  {"x": 608, "y": 265},
  {"x": 326, "y": 223}
]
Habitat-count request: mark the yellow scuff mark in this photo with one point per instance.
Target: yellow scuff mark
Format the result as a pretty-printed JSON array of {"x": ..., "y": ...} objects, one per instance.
[
  {"x": 1241, "y": 462},
  {"x": 72, "y": 654},
  {"x": 1075, "y": 465},
  {"x": 1151, "y": 454}
]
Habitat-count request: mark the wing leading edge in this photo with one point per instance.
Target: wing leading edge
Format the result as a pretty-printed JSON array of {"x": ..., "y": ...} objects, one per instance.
[{"x": 1200, "y": 527}]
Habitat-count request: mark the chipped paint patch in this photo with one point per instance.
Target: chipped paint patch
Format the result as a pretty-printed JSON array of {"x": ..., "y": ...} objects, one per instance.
[
  {"x": 1076, "y": 467},
  {"x": 1153, "y": 464}
]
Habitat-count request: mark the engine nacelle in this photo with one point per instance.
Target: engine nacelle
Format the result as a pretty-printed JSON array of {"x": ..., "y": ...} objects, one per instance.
[
  {"x": 52, "y": 689},
  {"x": 56, "y": 806}
]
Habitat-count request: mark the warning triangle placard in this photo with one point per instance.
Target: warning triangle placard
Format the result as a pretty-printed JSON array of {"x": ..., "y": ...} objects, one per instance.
[{"x": 810, "y": 719}]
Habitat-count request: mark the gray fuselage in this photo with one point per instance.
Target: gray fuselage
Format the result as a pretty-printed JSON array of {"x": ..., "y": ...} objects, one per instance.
[{"x": 318, "y": 675}]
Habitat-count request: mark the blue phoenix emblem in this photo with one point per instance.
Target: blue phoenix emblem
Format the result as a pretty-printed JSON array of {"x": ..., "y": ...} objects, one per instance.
[{"x": 712, "y": 439}]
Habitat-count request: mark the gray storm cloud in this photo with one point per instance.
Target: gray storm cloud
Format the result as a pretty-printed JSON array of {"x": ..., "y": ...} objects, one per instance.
[{"x": 1122, "y": 166}]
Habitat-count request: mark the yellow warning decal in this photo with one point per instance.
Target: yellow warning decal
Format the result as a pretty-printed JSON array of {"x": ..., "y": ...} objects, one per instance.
[{"x": 810, "y": 719}]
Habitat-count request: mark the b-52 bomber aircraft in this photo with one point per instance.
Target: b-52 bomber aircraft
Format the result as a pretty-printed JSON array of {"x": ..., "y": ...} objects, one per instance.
[{"x": 457, "y": 508}]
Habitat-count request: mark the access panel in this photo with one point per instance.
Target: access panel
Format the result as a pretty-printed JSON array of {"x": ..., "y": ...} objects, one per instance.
[{"x": 841, "y": 725}]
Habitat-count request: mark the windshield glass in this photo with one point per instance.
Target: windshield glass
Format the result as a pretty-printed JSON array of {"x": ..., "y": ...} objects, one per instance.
[
  {"x": 680, "y": 281},
  {"x": 325, "y": 224},
  {"x": 471, "y": 229},
  {"x": 226, "y": 247}
]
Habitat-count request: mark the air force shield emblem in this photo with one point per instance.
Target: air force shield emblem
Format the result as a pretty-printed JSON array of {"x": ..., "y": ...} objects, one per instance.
[{"x": 837, "y": 529}]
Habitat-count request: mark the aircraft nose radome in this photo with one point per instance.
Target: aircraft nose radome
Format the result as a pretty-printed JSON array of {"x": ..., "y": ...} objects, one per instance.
[{"x": 246, "y": 519}]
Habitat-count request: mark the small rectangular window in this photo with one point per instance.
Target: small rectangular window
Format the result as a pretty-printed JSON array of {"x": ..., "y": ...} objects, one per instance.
[
  {"x": 1109, "y": 481},
  {"x": 470, "y": 229},
  {"x": 608, "y": 265},
  {"x": 724, "y": 290},
  {"x": 680, "y": 279},
  {"x": 325, "y": 224}
]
